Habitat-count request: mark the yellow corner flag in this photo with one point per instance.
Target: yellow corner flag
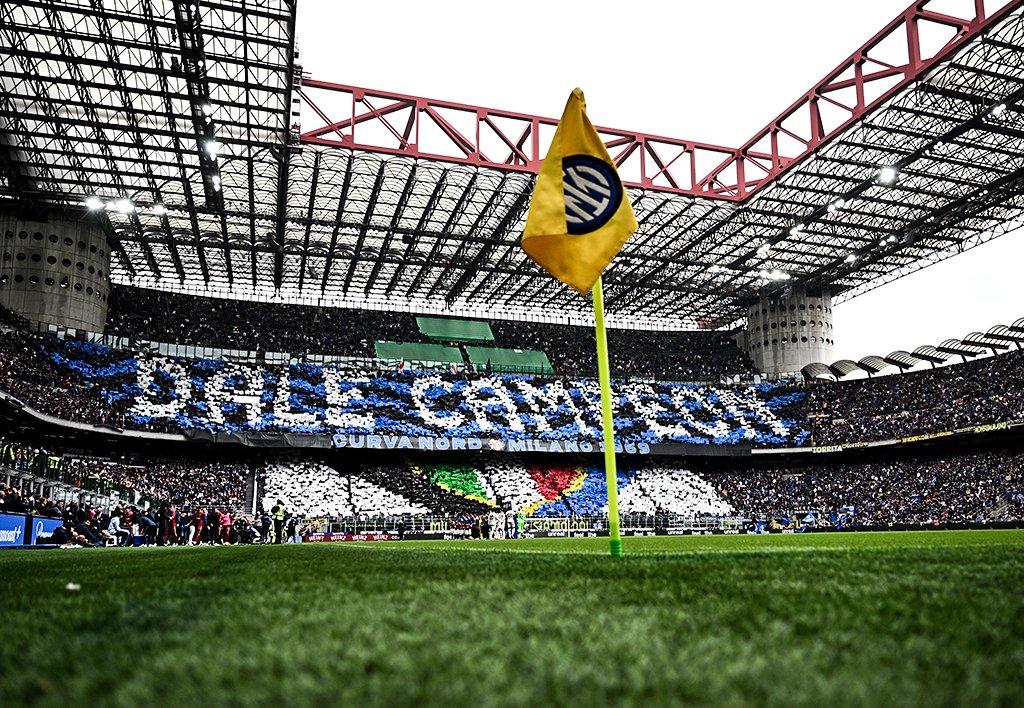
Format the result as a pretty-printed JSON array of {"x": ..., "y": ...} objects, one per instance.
[{"x": 580, "y": 216}]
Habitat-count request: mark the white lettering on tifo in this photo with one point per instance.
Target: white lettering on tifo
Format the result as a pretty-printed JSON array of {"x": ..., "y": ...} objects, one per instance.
[
  {"x": 179, "y": 395},
  {"x": 453, "y": 419},
  {"x": 490, "y": 393},
  {"x": 338, "y": 413}
]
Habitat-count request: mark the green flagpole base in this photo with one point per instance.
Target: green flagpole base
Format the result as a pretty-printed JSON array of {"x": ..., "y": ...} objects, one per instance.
[{"x": 616, "y": 547}]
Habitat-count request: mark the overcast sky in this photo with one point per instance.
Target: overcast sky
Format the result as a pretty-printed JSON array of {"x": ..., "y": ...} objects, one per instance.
[{"x": 714, "y": 72}]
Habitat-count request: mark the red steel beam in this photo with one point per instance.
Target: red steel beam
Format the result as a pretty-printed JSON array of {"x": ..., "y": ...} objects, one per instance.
[{"x": 399, "y": 124}]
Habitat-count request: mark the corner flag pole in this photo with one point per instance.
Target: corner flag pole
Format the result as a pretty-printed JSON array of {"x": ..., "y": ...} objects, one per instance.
[
  {"x": 580, "y": 217},
  {"x": 603, "y": 373}
]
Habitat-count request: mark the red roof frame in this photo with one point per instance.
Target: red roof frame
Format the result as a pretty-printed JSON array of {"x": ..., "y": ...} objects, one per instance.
[{"x": 650, "y": 161}]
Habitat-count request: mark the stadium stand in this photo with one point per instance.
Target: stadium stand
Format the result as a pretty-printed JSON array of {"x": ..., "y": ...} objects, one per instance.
[
  {"x": 150, "y": 315},
  {"x": 978, "y": 392},
  {"x": 186, "y": 481},
  {"x": 938, "y": 488},
  {"x": 918, "y": 489},
  {"x": 315, "y": 489},
  {"x": 309, "y": 488},
  {"x": 160, "y": 316},
  {"x": 667, "y": 356},
  {"x": 674, "y": 490},
  {"x": 89, "y": 382}
]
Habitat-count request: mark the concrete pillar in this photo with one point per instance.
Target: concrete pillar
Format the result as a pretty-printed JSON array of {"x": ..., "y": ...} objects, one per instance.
[
  {"x": 55, "y": 271},
  {"x": 786, "y": 332}
]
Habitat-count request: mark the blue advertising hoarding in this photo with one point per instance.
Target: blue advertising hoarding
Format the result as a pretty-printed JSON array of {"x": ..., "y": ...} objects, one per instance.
[
  {"x": 12, "y": 529},
  {"x": 42, "y": 529}
]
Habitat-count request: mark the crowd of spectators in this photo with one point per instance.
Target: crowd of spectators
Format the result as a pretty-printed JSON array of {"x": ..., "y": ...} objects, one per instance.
[
  {"x": 92, "y": 383},
  {"x": 10, "y": 318},
  {"x": 184, "y": 481},
  {"x": 665, "y": 356},
  {"x": 980, "y": 392},
  {"x": 303, "y": 329},
  {"x": 144, "y": 498},
  {"x": 949, "y": 488},
  {"x": 178, "y": 318},
  {"x": 33, "y": 377}
]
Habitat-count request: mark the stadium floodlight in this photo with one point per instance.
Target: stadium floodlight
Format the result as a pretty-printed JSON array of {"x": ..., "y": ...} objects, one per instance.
[
  {"x": 997, "y": 110},
  {"x": 851, "y": 258},
  {"x": 216, "y": 183},
  {"x": 835, "y": 206},
  {"x": 207, "y": 109},
  {"x": 796, "y": 229},
  {"x": 124, "y": 206},
  {"x": 779, "y": 275},
  {"x": 212, "y": 148},
  {"x": 93, "y": 203},
  {"x": 763, "y": 249},
  {"x": 888, "y": 175},
  {"x": 158, "y": 209}
]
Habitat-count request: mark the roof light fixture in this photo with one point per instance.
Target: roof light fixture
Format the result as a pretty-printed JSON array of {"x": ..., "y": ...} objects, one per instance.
[
  {"x": 158, "y": 209},
  {"x": 997, "y": 110},
  {"x": 93, "y": 203},
  {"x": 851, "y": 258},
  {"x": 888, "y": 175},
  {"x": 123, "y": 206}
]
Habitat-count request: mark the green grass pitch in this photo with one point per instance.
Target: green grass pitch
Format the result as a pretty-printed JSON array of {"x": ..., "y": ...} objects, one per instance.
[{"x": 907, "y": 619}]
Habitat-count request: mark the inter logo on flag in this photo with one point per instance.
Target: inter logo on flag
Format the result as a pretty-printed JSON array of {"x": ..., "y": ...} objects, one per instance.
[
  {"x": 592, "y": 193},
  {"x": 578, "y": 219}
]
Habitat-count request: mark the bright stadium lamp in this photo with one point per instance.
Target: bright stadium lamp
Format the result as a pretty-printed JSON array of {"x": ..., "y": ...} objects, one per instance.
[
  {"x": 888, "y": 175},
  {"x": 123, "y": 206},
  {"x": 796, "y": 229},
  {"x": 851, "y": 258},
  {"x": 207, "y": 109},
  {"x": 997, "y": 110},
  {"x": 158, "y": 209},
  {"x": 93, "y": 203},
  {"x": 212, "y": 148}
]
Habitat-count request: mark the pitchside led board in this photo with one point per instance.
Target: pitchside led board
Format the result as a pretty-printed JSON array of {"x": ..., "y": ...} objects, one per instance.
[{"x": 13, "y": 529}]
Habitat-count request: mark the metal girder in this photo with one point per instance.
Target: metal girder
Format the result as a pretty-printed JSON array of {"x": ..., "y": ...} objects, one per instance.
[
  {"x": 454, "y": 215},
  {"x": 371, "y": 203},
  {"x": 482, "y": 136},
  {"x": 481, "y": 218},
  {"x": 389, "y": 236},
  {"x": 511, "y": 218},
  {"x": 309, "y": 220}
]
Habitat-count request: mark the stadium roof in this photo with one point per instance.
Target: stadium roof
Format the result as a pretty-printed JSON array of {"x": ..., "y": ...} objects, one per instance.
[
  {"x": 908, "y": 152},
  {"x": 998, "y": 339}
]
